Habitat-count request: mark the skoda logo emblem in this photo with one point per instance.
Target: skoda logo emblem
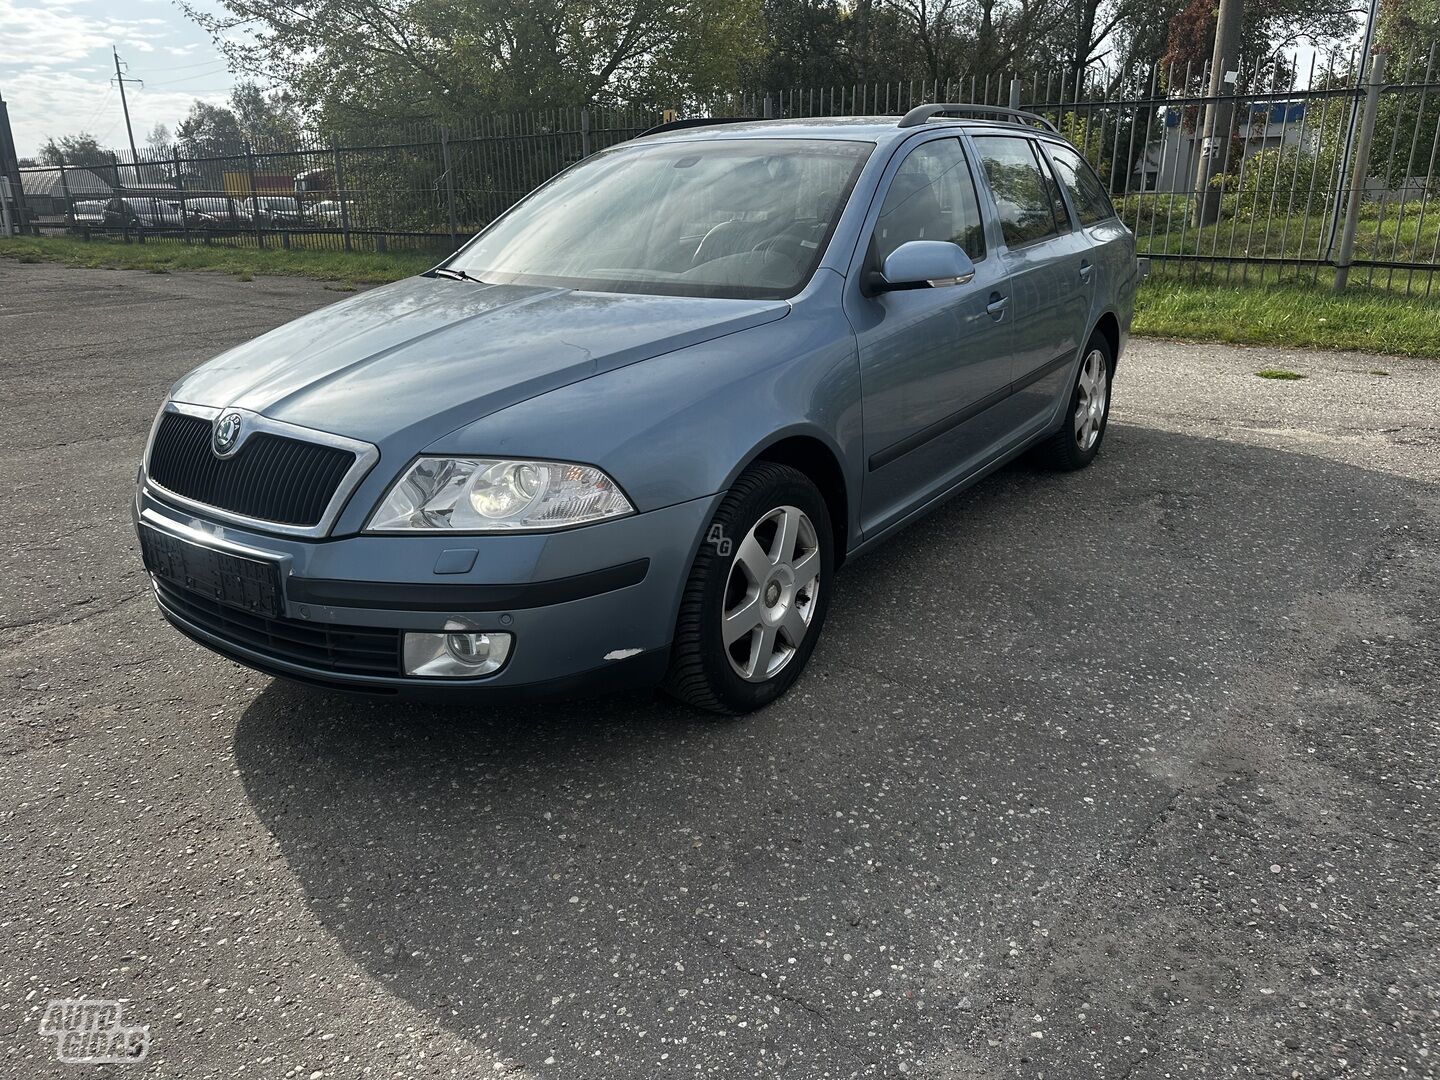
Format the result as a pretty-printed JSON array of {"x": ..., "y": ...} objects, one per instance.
[{"x": 227, "y": 433}]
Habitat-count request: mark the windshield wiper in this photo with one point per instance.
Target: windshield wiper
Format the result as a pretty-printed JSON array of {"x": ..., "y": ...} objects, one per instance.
[{"x": 457, "y": 275}]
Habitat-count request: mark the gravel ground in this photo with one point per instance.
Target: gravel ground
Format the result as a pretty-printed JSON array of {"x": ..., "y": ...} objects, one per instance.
[{"x": 1127, "y": 773}]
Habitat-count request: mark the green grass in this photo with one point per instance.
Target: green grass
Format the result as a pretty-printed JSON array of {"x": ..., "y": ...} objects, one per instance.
[
  {"x": 1299, "y": 316},
  {"x": 246, "y": 263},
  {"x": 1292, "y": 314},
  {"x": 1388, "y": 234},
  {"x": 1278, "y": 373}
]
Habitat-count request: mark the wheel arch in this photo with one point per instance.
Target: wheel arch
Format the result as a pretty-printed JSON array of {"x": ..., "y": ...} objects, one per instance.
[
  {"x": 1108, "y": 327},
  {"x": 809, "y": 453}
]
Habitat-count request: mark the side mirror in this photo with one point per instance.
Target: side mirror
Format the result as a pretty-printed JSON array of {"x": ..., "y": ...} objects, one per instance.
[{"x": 917, "y": 264}]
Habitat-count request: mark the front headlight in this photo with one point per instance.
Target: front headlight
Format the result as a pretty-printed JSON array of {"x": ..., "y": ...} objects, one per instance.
[{"x": 448, "y": 494}]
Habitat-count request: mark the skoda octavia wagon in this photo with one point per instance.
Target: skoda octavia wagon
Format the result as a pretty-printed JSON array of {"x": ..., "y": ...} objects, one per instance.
[{"x": 629, "y": 432}]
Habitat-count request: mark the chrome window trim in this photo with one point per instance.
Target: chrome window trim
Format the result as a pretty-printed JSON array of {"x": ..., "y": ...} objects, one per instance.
[{"x": 366, "y": 455}]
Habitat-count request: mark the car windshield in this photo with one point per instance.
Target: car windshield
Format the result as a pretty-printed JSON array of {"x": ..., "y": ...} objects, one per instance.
[{"x": 745, "y": 218}]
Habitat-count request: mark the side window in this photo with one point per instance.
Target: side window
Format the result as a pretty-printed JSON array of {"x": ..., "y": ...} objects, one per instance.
[
  {"x": 931, "y": 198},
  {"x": 1026, "y": 194},
  {"x": 1086, "y": 192}
]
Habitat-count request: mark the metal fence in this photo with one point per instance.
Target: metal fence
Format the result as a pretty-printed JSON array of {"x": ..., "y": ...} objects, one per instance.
[{"x": 1329, "y": 170}]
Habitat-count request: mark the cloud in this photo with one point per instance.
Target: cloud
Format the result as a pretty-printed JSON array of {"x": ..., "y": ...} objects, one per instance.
[
  {"x": 46, "y": 104},
  {"x": 58, "y": 32},
  {"x": 56, "y": 68}
]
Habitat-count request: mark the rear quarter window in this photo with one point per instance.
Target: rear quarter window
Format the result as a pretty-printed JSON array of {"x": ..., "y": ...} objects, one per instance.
[
  {"x": 1087, "y": 193},
  {"x": 1026, "y": 194}
]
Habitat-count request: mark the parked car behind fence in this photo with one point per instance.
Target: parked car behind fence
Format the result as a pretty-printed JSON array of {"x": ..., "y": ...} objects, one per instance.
[
  {"x": 150, "y": 212},
  {"x": 226, "y": 212}
]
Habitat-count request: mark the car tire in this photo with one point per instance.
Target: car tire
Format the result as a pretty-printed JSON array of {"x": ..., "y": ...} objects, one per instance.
[
  {"x": 1082, "y": 428},
  {"x": 767, "y": 556}
]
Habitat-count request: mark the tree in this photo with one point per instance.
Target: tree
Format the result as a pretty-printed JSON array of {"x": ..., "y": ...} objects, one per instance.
[
  {"x": 807, "y": 43},
  {"x": 981, "y": 38},
  {"x": 158, "y": 142},
  {"x": 1405, "y": 22},
  {"x": 81, "y": 149},
  {"x": 210, "y": 131},
  {"x": 267, "y": 118},
  {"x": 381, "y": 62},
  {"x": 1270, "y": 27}
]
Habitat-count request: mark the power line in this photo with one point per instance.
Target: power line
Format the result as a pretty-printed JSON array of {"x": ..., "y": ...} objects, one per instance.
[
  {"x": 104, "y": 101},
  {"x": 202, "y": 63},
  {"x": 191, "y": 78}
]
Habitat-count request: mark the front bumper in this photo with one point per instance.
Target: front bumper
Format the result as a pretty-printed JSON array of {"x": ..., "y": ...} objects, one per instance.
[{"x": 589, "y": 608}]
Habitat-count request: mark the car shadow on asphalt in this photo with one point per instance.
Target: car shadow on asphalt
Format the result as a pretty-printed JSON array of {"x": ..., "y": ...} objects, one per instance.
[{"x": 623, "y": 887}]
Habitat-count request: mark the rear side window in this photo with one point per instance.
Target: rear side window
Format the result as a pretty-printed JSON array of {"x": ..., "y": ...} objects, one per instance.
[
  {"x": 932, "y": 198},
  {"x": 1086, "y": 192},
  {"x": 1026, "y": 194}
]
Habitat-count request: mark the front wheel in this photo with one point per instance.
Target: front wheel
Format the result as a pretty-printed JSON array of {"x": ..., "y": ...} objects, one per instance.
[
  {"x": 757, "y": 594},
  {"x": 1078, "y": 441}
]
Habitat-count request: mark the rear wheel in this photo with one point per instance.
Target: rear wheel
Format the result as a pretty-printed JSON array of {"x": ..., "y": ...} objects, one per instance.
[
  {"x": 757, "y": 594},
  {"x": 1078, "y": 440}
]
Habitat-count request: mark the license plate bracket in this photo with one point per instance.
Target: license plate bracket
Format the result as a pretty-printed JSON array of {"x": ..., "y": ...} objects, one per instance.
[{"x": 248, "y": 584}]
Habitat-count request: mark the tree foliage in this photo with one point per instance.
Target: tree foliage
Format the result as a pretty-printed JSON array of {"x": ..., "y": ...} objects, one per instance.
[
  {"x": 80, "y": 149},
  {"x": 210, "y": 131},
  {"x": 1269, "y": 29},
  {"x": 362, "y": 62}
]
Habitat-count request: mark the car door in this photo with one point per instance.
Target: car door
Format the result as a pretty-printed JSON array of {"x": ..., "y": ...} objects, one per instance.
[
  {"x": 1111, "y": 246},
  {"x": 1047, "y": 260},
  {"x": 932, "y": 360}
]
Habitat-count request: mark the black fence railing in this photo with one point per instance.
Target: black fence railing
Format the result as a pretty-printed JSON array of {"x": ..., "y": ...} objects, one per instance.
[{"x": 1328, "y": 163}]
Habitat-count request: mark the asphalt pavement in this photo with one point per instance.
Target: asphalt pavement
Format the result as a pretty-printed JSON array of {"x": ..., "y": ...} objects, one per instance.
[{"x": 1130, "y": 773}]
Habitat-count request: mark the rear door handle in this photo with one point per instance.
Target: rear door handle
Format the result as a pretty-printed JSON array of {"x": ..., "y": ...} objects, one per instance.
[
  {"x": 1085, "y": 269},
  {"x": 996, "y": 306}
]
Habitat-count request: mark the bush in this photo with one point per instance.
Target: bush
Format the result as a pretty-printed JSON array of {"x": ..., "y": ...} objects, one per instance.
[{"x": 1268, "y": 178}]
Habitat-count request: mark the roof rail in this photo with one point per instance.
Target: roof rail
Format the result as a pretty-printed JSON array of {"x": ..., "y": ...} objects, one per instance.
[
  {"x": 699, "y": 121},
  {"x": 921, "y": 113}
]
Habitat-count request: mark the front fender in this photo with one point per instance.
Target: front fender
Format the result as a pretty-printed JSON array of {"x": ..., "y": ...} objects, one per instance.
[{"x": 681, "y": 426}]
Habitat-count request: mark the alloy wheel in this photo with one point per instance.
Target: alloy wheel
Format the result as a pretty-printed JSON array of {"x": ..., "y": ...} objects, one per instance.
[
  {"x": 770, "y": 593},
  {"x": 1094, "y": 392}
]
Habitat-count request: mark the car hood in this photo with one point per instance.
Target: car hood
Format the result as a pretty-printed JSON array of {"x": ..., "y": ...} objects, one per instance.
[{"x": 414, "y": 360}]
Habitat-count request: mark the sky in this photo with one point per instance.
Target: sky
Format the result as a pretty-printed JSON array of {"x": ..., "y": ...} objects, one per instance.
[{"x": 56, "y": 71}]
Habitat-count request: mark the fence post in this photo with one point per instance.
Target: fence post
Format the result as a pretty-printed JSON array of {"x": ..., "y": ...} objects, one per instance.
[
  {"x": 69, "y": 203},
  {"x": 449, "y": 187},
  {"x": 768, "y": 113},
  {"x": 1014, "y": 93},
  {"x": 1362, "y": 169},
  {"x": 254, "y": 195},
  {"x": 180, "y": 187},
  {"x": 340, "y": 194},
  {"x": 585, "y": 131}
]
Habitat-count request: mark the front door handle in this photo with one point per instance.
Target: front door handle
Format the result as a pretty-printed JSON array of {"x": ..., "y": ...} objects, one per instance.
[
  {"x": 996, "y": 306},
  {"x": 1085, "y": 269}
]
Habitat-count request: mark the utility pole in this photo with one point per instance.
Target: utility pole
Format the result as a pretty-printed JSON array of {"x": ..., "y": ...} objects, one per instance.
[
  {"x": 122, "y": 79},
  {"x": 1219, "y": 124}
]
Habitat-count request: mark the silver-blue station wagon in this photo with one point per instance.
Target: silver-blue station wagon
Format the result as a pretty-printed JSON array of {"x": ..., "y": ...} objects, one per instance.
[{"x": 628, "y": 434}]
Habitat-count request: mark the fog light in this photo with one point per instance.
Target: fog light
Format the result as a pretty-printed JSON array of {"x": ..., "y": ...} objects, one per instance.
[{"x": 455, "y": 655}]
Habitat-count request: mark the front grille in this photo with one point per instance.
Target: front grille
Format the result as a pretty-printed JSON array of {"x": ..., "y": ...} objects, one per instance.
[
  {"x": 344, "y": 650},
  {"x": 271, "y": 477}
]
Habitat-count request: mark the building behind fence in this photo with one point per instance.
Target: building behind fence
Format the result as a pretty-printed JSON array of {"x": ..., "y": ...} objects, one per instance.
[{"x": 1292, "y": 204}]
